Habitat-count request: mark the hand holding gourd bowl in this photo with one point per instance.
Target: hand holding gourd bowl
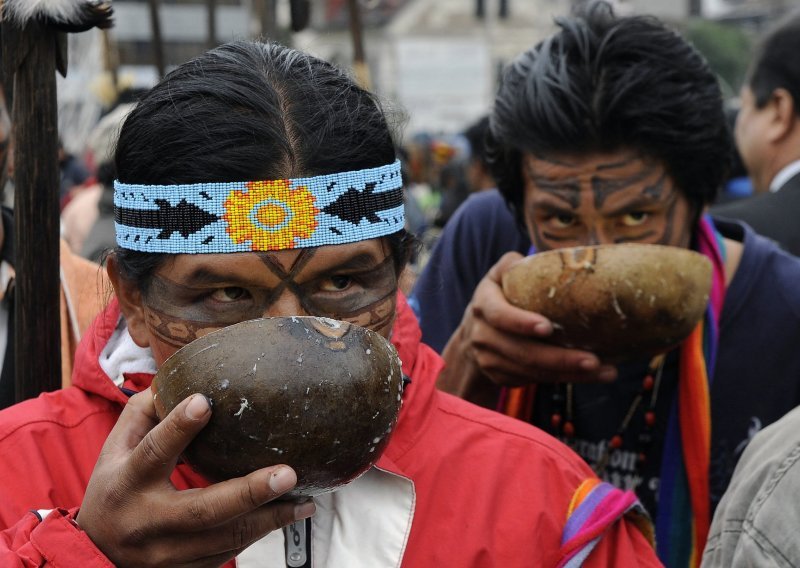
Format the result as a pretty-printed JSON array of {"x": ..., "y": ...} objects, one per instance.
[
  {"x": 617, "y": 301},
  {"x": 317, "y": 394}
]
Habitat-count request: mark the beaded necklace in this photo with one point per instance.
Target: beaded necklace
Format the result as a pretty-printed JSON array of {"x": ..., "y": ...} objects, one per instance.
[{"x": 564, "y": 424}]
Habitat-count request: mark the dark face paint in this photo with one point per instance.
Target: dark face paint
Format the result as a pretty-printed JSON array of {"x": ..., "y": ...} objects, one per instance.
[
  {"x": 603, "y": 199},
  {"x": 192, "y": 301}
]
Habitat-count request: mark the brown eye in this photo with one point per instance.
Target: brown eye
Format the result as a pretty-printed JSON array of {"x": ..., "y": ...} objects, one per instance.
[
  {"x": 635, "y": 218},
  {"x": 563, "y": 220},
  {"x": 336, "y": 283},
  {"x": 230, "y": 294}
]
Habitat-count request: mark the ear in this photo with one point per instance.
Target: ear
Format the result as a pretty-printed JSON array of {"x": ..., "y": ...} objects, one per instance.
[
  {"x": 782, "y": 115},
  {"x": 130, "y": 303}
]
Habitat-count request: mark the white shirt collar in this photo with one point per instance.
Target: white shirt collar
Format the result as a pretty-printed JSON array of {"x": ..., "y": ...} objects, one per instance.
[{"x": 787, "y": 173}]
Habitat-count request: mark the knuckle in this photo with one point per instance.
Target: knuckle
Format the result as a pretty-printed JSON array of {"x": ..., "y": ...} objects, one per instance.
[
  {"x": 249, "y": 497},
  {"x": 475, "y": 309},
  {"x": 135, "y": 537},
  {"x": 200, "y": 511},
  {"x": 153, "y": 449}
]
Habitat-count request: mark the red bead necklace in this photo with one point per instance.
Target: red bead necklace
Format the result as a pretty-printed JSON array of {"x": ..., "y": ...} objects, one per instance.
[{"x": 565, "y": 426}]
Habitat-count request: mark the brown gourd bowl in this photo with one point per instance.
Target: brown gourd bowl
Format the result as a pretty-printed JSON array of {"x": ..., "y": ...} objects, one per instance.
[
  {"x": 618, "y": 301},
  {"x": 317, "y": 394}
]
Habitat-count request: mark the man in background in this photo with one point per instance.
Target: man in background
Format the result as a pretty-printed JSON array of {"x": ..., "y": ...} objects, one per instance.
[{"x": 768, "y": 137}]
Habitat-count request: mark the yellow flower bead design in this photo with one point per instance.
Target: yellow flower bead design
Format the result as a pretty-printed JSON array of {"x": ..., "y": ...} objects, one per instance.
[{"x": 271, "y": 215}]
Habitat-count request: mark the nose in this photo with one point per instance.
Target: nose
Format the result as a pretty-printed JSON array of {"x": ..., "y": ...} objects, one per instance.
[
  {"x": 601, "y": 234},
  {"x": 287, "y": 304}
]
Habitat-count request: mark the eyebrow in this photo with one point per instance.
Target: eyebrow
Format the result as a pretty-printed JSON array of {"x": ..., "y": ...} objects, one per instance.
[
  {"x": 361, "y": 262},
  {"x": 552, "y": 208},
  {"x": 616, "y": 183},
  {"x": 204, "y": 276}
]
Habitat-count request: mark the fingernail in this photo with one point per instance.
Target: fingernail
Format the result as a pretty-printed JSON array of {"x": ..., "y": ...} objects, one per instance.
[
  {"x": 304, "y": 510},
  {"x": 588, "y": 364},
  {"x": 197, "y": 407},
  {"x": 282, "y": 479},
  {"x": 543, "y": 328}
]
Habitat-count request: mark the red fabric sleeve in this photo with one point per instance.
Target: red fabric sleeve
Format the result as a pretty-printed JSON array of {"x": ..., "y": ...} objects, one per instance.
[{"x": 56, "y": 541}]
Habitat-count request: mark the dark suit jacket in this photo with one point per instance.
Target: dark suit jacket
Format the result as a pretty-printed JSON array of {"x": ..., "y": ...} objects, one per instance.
[{"x": 774, "y": 215}]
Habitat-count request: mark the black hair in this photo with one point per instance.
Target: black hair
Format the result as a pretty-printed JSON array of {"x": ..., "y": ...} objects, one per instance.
[
  {"x": 476, "y": 136},
  {"x": 603, "y": 83},
  {"x": 250, "y": 110},
  {"x": 774, "y": 65}
]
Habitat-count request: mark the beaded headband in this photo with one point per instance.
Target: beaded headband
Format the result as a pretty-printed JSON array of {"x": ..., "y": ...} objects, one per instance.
[{"x": 260, "y": 215}]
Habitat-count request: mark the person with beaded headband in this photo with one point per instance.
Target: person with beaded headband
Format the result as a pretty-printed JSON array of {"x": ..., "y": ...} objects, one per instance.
[
  {"x": 612, "y": 130},
  {"x": 259, "y": 181}
]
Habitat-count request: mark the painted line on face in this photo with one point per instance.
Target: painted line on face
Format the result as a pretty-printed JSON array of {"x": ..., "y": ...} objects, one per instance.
[
  {"x": 286, "y": 276},
  {"x": 175, "y": 331},
  {"x": 603, "y": 187},
  {"x": 669, "y": 217},
  {"x": 568, "y": 190}
]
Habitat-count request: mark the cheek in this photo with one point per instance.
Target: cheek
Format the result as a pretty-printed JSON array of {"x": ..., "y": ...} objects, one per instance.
[
  {"x": 680, "y": 226},
  {"x": 740, "y": 138},
  {"x": 167, "y": 334},
  {"x": 379, "y": 317}
]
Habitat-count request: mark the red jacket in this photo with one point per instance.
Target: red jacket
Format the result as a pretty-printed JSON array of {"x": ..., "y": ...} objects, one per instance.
[{"x": 488, "y": 490}]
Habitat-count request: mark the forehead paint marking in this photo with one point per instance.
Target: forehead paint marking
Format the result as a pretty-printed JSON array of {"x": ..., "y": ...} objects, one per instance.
[
  {"x": 287, "y": 277},
  {"x": 603, "y": 187},
  {"x": 270, "y": 261},
  {"x": 567, "y": 190},
  {"x": 615, "y": 165},
  {"x": 657, "y": 188}
]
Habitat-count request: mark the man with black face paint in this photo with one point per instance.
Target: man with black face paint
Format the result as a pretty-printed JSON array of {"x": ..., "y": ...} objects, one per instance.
[{"x": 612, "y": 131}]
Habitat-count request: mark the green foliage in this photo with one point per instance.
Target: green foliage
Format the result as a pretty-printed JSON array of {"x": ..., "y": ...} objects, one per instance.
[{"x": 726, "y": 47}]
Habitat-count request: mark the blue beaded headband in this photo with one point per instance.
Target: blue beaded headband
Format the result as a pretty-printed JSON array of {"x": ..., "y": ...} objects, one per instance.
[{"x": 260, "y": 215}]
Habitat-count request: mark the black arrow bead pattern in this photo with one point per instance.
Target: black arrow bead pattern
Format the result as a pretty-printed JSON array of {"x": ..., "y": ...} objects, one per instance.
[
  {"x": 353, "y": 205},
  {"x": 184, "y": 218}
]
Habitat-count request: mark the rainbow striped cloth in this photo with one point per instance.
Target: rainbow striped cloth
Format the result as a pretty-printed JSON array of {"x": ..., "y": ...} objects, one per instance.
[
  {"x": 594, "y": 508},
  {"x": 684, "y": 502}
]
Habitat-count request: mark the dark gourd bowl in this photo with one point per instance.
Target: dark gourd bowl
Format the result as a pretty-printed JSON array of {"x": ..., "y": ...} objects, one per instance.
[
  {"x": 618, "y": 301},
  {"x": 317, "y": 394}
]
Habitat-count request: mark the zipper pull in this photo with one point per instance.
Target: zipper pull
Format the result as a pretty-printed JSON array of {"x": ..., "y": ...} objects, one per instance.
[{"x": 298, "y": 544}]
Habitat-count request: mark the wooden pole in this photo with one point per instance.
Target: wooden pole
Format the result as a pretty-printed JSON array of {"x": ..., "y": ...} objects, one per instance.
[
  {"x": 111, "y": 60},
  {"x": 212, "y": 23},
  {"x": 360, "y": 67},
  {"x": 158, "y": 43},
  {"x": 37, "y": 352}
]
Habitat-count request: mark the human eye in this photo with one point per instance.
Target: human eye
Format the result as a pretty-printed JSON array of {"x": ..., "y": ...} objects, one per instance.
[
  {"x": 229, "y": 294},
  {"x": 562, "y": 220},
  {"x": 635, "y": 218},
  {"x": 336, "y": 283}
]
